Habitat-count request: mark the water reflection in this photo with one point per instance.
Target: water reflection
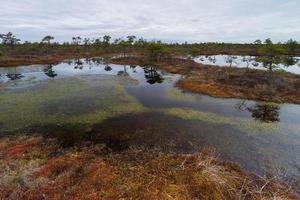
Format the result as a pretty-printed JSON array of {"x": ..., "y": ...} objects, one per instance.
[
  {"x": 69, "y": 62},
  {"x": 49, "y": 71},
  {"x": 14, "y": 76},
  {"x": 133, "y": 67},
  {"x": 97, "y": 61},
  {"x": 88, "y": 61},
  {"x": 289, "y": 63},
  {"x": 123, "y": 72},
  {"x": 264, "y": 112},
  {"x": 229, "y": 60},
  {"x": 78, "y": 64},
  {"x": 247, "y": 60},
  {"x": 212, "y": 59},
  {"x": 107, "y": 68},
  {"x": 169, "y": 117},
  {"x": 152, "y": 75},
  {"x": 148, "y": 75}
]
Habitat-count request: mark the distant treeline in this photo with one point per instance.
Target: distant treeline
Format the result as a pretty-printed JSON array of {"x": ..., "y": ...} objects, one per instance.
[
  {"x": 106, "y": 43},
  {"x": 12, "y": 47}
]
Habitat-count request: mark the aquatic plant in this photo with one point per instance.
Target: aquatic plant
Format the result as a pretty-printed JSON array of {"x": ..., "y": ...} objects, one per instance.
[
  {"x": 243, "y": 124},
  {"x": 71, "y": 100},
  {"x": 180, "y": 95}
]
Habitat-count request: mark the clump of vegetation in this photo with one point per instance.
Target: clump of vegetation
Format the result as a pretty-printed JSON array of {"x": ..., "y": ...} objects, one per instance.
[
  {"x": 177, "y": 94},
  {"x": 36, "y": 172},
  {"x": 9, "y": 39},
  {"x": 156, "y": 52}
]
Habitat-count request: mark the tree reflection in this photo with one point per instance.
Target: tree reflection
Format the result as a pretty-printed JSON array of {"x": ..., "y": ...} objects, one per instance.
[
  {"x": 255, "y": 64},
  {"x": 69, "y": 62},
  {"x": 229, "y": 59},
  {"x": 264, "y": 112},
  {"x": 97, "y": 61},
  {"x": 50, "y": 72},
  {"x": 123, "y": 72},
  {"x": 107, "y": 68},
  {"x": 78, "y": 64},
  {"x": 88, "y": 62},
  {"x": 290, "y": 61},
  {"x": 133, "y": 67},
  {"x": 152, "y": 75},
  {"x": 14, "y": 76},
  {"x": 247, "y": 60}
]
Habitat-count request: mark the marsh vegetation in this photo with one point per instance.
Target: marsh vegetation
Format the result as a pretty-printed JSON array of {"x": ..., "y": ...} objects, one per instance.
[{"x": 142, "y": 120}]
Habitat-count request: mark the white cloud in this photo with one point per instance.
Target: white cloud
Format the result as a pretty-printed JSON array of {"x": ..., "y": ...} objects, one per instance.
[{"x": 170, "y": 20}]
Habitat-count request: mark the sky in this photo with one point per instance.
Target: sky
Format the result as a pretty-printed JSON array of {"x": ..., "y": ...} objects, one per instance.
[{"x": 166, "y": 20}]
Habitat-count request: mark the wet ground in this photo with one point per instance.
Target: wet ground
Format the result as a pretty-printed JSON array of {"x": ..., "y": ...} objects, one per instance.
[{"x": 119, "y": 105}]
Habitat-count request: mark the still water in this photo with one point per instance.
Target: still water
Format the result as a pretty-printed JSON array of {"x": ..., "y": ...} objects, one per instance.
[
  {"x": 123, "y": 106},
  {"x": 246, "y": 61}
]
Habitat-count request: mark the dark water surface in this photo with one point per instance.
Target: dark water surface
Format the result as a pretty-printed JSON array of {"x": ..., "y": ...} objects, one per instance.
[{"x": 124, "y": 106}]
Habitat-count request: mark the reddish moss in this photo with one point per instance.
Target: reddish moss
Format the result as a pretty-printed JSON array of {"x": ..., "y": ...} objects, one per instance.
[{"x": 86, "y": 173}]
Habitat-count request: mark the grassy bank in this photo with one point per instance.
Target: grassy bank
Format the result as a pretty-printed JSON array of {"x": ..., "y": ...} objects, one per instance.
[
  {"x": 228, "y": 82},
  {"x": 38, "y": 168}
]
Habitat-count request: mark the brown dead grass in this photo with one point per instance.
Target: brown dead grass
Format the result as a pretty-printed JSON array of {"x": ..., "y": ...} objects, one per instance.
[
  {"x": 51, "y": 59},
  {"x": 45, "y": 171},
  {"x": 205, "y": 87}
]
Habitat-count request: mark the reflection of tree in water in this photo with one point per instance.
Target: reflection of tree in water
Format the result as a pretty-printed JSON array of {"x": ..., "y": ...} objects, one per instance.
[
  {"x": 212, "y": 59},
  {"x": 69, "y": 62},
  {"x": 88, "y": 62},
  {"x": 123, "y": 72},
  {"x": 78, "y": 64},
  {"x": 276, "y": 62},
  {"x": 133, "y": 67},
  {"x": 247, "y": 60},
  {"x": 98, "y": 61},
  {"x": 255, "y": 64},
  {"x": 264, "y": 112},
  {"x": 152, "y": 75},
  {"x": 14, "y": 76},
  {"x": 107, "y": 68},
  {"x": 290, "y": 61},
  {"x": 50, "y": 72},
  {"x": 230, "y": 60}
]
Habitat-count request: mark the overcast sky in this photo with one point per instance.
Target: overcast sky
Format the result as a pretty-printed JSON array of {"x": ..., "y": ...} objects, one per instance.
[{"x": 168, "y": 20}]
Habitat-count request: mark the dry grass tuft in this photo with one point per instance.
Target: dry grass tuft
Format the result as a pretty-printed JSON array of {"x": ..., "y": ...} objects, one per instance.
[{"x": 45, "y": 172}]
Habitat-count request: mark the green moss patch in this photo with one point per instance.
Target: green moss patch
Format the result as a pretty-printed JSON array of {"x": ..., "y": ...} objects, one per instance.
[
  {"x": 70, "y": 100},
  {"x": 176, "y": 94},
  {"x": 243, "y": 124}
]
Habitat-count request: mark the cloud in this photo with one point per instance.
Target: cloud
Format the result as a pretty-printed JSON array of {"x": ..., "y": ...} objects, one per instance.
[{"x": 170, "y": 20}]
